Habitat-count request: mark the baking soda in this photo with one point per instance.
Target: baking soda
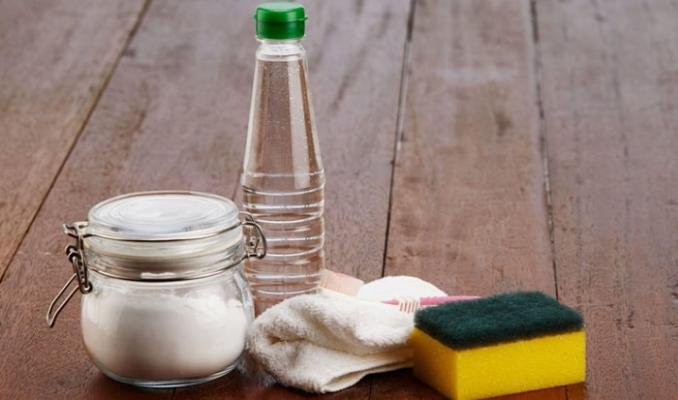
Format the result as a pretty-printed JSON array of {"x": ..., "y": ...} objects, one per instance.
[{"x": 174, "y": 334}]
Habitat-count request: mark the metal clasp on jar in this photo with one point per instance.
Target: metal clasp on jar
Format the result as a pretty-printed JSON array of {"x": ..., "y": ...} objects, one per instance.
[
  {"x": 256, "y": 243},
  {"x": 76, "y": 255},
  {"x": 255, "y": 246}
]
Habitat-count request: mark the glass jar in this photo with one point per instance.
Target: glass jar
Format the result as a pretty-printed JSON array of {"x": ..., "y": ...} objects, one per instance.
[{"x": 165, "y": 302}]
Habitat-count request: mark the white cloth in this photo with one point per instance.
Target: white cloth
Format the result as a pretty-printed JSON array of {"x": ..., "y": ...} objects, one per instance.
[
  {"x": 326, "y": 342},
  {"x": 395, "y": 287}
]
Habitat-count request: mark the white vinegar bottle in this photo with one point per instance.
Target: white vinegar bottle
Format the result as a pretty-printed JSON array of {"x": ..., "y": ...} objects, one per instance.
[{"x": 283, "y": 178}]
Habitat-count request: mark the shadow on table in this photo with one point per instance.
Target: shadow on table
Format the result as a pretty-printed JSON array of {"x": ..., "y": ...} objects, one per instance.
[
  {"x": 102, "y": 387},
  {"x": 570, "y": 392},
  {"x": 237, "y": 386},
  {"x": 403, "y": 385},
  {"x": 395, "y": 385}
]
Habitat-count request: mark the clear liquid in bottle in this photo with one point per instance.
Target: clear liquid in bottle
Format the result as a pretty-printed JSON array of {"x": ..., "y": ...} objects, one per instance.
[{"x": 283, "y": 180}]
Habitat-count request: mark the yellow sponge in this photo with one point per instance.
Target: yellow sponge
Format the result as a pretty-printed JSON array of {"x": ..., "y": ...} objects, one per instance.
[{"x": 498, "y": 345}]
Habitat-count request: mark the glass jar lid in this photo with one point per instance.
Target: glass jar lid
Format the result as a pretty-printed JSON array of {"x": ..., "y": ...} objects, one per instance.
[
  {"x": 163, "y": 236},
  {"x": 162, "y": 216}
]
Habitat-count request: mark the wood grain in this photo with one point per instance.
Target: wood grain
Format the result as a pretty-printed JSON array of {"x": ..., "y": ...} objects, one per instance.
[
  {"x": 468, "y": 199},
  {"x": 356, "y": 55},
  {"x": 468, "y": 208},
  {"x": 174, "y": 117},
  {"x": 55, "y": 58},
  {"x": 610, "y": 88}
]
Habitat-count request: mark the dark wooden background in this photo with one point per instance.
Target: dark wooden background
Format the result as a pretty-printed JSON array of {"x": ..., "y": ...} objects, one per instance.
[{"x": 484, "y": 145}]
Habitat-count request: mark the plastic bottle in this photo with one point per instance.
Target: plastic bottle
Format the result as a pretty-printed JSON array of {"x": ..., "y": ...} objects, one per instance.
[{"x": 283, "y": 178}]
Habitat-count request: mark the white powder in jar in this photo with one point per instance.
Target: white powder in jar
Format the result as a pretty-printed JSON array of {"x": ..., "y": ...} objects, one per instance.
[{"x": 164, "y": 334}]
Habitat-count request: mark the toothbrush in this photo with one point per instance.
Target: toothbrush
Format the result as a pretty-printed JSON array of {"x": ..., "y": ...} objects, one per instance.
[{"x": 412, "y": 304}]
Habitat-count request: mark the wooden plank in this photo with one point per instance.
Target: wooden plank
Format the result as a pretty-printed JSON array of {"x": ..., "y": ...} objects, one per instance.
[
  {"x": 55, "y": 58},
  {"x": 356, "y": 54},
  {"x": 468, "y": 202},
  {"x": 468, "y": 209},
  {"x": 610, "y": 106},
  {"x": 174, "y": 117}
]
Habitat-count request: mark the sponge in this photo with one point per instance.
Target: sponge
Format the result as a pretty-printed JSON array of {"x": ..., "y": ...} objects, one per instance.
[{"x": 498, "y": 345}]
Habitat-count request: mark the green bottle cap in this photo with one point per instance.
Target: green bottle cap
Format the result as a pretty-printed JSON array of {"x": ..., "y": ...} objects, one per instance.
[{"x": 280, "y": 20}]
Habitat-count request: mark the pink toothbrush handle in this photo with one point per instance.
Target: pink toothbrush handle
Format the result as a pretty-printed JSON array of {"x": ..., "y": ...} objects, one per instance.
[{"x": 431, "y": 301}]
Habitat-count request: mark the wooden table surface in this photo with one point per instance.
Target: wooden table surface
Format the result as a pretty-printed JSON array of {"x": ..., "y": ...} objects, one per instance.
[{"x": 485, "y": 146}]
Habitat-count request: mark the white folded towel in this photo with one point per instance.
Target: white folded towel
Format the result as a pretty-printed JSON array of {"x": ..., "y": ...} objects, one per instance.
[{"x": 326, "y": 342}]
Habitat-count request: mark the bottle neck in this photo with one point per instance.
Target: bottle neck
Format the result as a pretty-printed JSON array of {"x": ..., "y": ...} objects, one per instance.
[{"x": 280, "y": 49}]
